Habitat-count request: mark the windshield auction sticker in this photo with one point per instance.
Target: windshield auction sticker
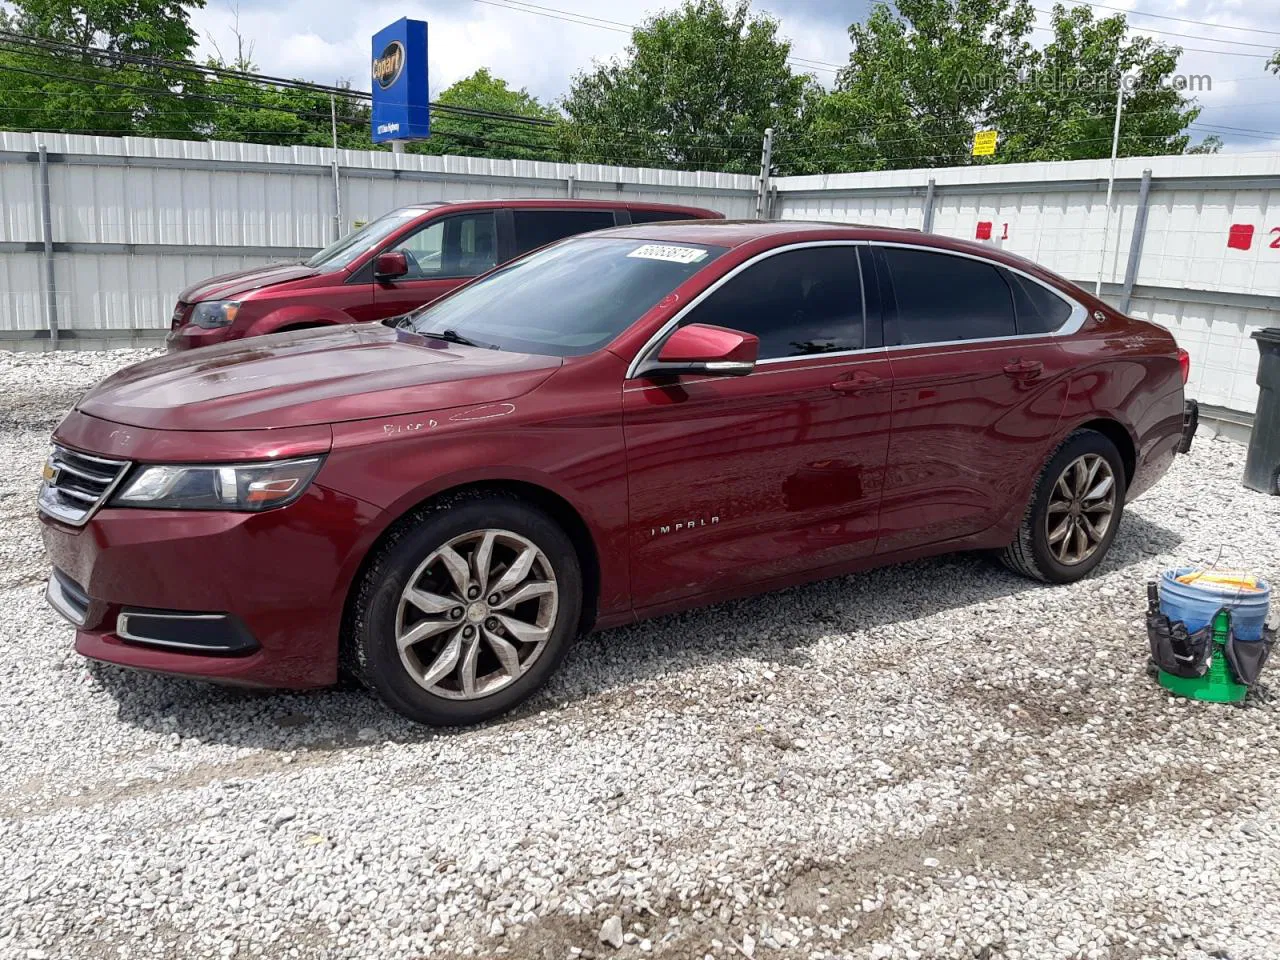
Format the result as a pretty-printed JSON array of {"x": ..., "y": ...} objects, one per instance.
[{"x": 664, "y": 251}]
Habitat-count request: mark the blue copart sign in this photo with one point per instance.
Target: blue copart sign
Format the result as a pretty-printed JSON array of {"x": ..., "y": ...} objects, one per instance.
[{"x": 399, "y": 82}]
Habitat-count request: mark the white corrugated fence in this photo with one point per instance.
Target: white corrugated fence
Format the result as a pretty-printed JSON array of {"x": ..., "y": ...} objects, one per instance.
[{"x": 1194, "y": 242}]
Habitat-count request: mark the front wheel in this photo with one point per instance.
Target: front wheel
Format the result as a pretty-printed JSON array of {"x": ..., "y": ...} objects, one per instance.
[
  {"x": 466, "y": 610},
  {"x": 1074, "y": 513}
]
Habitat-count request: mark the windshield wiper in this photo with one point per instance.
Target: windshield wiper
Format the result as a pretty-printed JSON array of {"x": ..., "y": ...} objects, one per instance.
[{"x": 453, "y": 336}]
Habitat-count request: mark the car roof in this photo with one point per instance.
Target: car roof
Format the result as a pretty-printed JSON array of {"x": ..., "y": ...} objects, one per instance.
[{"x": 566, "y": 203}]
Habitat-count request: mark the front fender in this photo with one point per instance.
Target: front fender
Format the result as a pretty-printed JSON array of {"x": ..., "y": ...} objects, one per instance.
[
  {"x": 296, "y": 315},
  {"x": 396, "y": 463}
]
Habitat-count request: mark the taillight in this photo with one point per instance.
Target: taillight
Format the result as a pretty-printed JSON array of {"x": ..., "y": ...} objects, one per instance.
[{"x": 1184, "y": 364}]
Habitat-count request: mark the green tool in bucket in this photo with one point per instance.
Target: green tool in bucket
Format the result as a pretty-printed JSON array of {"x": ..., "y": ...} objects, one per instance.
[{"x": 1216, "y": 686}]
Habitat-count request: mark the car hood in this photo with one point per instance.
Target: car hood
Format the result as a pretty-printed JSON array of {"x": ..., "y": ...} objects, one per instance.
[
  {"x": 311, "y": 377},
  {"x": 230, "y": 285}
]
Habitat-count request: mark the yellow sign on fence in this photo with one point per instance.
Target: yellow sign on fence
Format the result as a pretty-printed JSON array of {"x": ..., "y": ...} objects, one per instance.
[{"x": 984, "y": 143}]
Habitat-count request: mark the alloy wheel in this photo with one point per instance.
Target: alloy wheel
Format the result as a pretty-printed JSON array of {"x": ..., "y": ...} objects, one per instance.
[
  {"x": 476, "y": 614},
  {"x": 1081, "y": 507}
]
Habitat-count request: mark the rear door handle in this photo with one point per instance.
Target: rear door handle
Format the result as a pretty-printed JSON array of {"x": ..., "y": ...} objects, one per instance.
[
  {"x": 856, "y": 383},
  {"x": 1024, "y": 369}
]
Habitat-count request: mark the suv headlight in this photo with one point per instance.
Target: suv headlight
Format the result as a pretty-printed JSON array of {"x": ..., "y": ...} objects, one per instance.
[
  {"x": 215, "y": 313},
  {"x": 238, "y": 486}
]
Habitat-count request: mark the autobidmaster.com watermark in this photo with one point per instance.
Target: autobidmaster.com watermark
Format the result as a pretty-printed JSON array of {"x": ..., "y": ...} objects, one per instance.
[{"x": 1062, "y": 81}]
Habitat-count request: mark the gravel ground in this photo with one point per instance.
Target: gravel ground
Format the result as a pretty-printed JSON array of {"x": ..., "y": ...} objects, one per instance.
[{"x": 933, "y": 760}]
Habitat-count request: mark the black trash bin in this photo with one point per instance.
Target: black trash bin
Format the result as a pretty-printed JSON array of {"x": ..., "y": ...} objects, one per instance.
[{"x": 1262, "y": 468}]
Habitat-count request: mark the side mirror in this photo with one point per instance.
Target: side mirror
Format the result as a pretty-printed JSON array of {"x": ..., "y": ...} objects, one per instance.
[
  {"x": 705, "y": 350},
  {"x": 388, "y": 266}
]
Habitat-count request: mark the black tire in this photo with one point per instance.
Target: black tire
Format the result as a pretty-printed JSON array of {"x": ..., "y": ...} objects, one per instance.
[
  {"x": 369, "y": 650},
  {"x": 1030, "y": 553}
]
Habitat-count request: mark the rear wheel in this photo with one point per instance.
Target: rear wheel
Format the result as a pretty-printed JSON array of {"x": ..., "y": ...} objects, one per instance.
[
  {"x": 466, "y": 610},
  {"x": 1074, "y": 513}
]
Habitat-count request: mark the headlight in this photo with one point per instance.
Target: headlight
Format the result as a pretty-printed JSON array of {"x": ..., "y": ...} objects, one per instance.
[
  {"x": 239, "y": 486},
  {"x": 215, "y": 313}
]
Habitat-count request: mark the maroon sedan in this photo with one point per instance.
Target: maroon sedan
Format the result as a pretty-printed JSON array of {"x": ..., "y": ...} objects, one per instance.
[
  {"x": 617, "y": 426},
  {"x": 399, "y": 262}
]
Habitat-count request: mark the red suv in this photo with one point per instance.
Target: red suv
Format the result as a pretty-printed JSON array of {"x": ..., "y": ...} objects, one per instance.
[
  {"x": 395, "y": 264},
  {"x": 619, "y": 425}
]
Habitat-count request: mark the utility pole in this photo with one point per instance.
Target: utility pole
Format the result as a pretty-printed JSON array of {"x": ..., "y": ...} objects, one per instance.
[
  {"x": 337, "y": 185},
  {"x": 1111, "y": 183},
  {"x": 766, "y": 164}
]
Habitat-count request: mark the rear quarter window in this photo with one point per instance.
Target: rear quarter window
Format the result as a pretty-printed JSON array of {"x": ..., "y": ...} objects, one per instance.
[{"x": 1038, "y": 309}]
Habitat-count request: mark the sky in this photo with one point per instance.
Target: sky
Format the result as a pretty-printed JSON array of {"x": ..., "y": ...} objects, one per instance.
[{"x": 328, "y": 40}]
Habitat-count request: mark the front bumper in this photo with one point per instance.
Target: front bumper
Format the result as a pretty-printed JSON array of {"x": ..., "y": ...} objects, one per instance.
[
  {"x": 262, "y": 594},
  {"x": 1190, "y": 423}
]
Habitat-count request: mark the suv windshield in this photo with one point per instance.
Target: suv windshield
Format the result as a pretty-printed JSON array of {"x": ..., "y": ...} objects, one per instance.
[
  {"x": 341, "y": 252},
  {"x": 568, "y": 299}
]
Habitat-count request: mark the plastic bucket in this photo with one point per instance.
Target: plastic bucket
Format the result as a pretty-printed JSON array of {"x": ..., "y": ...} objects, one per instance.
[{"x": 1196, "y": 603}]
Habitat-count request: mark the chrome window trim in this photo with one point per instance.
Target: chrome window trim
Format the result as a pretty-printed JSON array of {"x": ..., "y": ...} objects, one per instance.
[
  {"x": 815, "y": 356},
  {"x": 122, "y": 630},
  {"x": 642, "y": 354},
  {"x": 1074, "y": 323}
]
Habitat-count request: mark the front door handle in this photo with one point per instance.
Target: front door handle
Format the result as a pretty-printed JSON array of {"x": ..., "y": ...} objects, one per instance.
[
  {"x": 1024, "y": 369},
  {"x": 856, "y": 383}
]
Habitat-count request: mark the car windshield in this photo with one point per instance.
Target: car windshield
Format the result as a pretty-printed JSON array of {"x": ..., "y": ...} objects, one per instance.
[
  {"x": 568, "y": 299},
  {"x": 341, "y": 252}
]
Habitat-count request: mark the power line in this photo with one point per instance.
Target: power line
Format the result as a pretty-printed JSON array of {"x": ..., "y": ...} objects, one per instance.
[
  {"x": 1161, "y": 16},
  {"x": 1178, "y": 33},
  {"x": 618, "y": 26},
  {"x": 1175, "y": 33},
  {"x": 23, "y": 40},
  {"x": 269, "y": 84},
  {"x": 1225, "y": 53}
]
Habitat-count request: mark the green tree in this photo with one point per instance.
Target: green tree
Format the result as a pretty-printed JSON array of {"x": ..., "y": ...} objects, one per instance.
[
  {"x": 919, "y": 81},
  {"x": 1210, "y": 144},
  {"x": 86, "y": 91},
  {"x": 695, "y": 90},
  {"x": 469, "y": 136},
  {"x": 923, "y": 77},
  {"x": 1064, "y": 107},
  {"x": 252, "y": 112}
]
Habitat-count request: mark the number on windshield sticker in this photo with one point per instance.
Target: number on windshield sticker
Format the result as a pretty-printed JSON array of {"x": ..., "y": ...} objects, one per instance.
[{"x": 671, "y": 254}]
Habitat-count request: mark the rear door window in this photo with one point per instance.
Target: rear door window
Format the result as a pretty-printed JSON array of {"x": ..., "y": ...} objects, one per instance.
[
  {"x": 537, "y": 228},
  {"x": 943, "y": 298}
]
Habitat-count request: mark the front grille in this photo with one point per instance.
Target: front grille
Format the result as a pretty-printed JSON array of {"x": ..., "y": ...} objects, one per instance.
[
  {"x": 76, "y": 484},
  {"x": 180, "y": 314}
]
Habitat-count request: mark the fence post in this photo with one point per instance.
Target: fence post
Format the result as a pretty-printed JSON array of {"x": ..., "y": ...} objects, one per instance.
[
  {"x": 766, "y": 164},
  {"x": 1135, "y": 244},
  {"x": 46, "y": 230},
  {"x": 571, "y": 186},
  {"x": 337, "y": 184},
  {"x": 927, "y": 226}
]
